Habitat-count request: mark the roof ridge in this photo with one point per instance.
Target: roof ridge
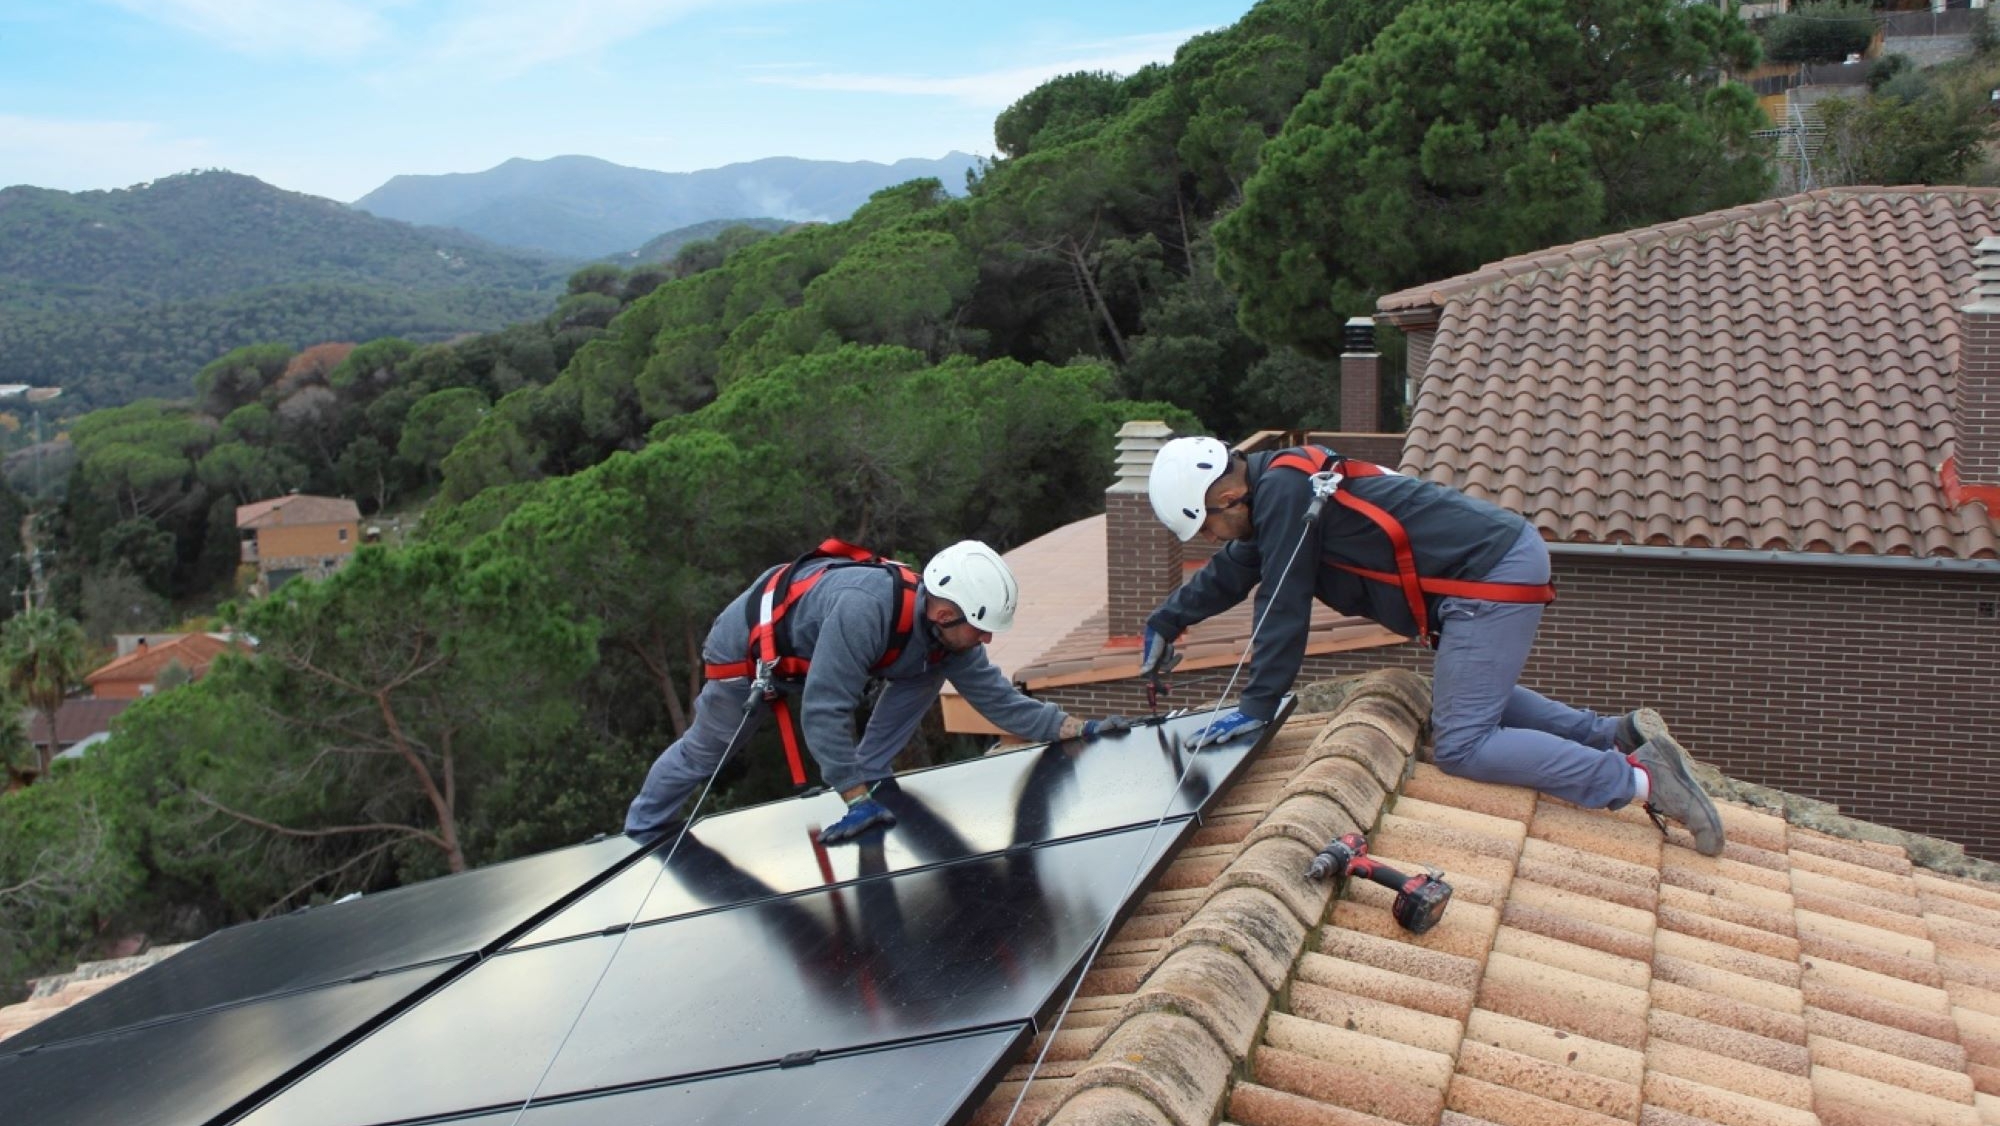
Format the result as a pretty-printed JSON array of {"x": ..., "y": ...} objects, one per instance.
[
  {"x": 1641, "y": 238},
  {"x": 1245, "y": 991},
  {"x": 1195, "y": 1017}
]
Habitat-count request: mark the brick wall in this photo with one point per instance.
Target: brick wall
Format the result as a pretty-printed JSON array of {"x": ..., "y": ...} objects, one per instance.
[
  {"x": 1976, "y": 409},
  {"x": 1142, "y": 562},
  {"x": 1874, "y": 690},
  {"x": 1361, "y": 392}
]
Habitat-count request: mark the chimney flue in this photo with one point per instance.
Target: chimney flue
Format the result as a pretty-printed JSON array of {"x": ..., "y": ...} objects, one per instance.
[
  {"x": 1360, "y": 378},
  {"x": 1142, "y": 559},
  {"x": 1976, "y": 399}
]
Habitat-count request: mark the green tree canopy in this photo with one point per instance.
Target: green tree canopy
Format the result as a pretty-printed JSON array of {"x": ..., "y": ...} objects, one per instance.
[
  {"x": 42, "y": 657},
  {"x": 1470, "y": 130}
]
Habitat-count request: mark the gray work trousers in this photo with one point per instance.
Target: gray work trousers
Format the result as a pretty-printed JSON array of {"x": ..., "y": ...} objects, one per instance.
[
  {"x": 718, "y": 729},
  {"x": 1488, "y": 728}
]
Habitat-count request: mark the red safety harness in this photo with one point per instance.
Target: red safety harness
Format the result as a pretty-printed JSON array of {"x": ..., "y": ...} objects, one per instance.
[
  {"x": 771, "y": 656},
  {"x": 1312, "y": 459}
]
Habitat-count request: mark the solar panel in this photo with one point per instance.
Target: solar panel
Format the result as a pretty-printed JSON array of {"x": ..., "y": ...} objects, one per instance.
[
  {"x": 944, "y": 814},
  {"x": 192, "y": 1070},
  {"x": 974, "y": 944},
  {"x": 921, "y": 1082},
  {"x": 442, "y": 918}
]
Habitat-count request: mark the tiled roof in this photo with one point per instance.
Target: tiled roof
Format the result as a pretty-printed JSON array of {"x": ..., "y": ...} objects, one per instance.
[
  {"x": 292, "y": 511},
  {"x": 1585, "y": 973},
  {"x": 1061, "y": 628},
  {"x": 75, "y": 720},
  {"x": 195, "y": 652},
  {"x": 1770, "y": 377}
]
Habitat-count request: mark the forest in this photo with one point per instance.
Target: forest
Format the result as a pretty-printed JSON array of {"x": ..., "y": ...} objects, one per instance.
[
  {"x": 116, "y": 295},
  {"x": 586, "y": 490}
]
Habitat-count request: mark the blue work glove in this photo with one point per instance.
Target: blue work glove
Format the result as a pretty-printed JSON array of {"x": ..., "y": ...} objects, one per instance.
[
  {"x": 861, "y": 816},
  {"x": 1223, "y": 728},
  {"x": 1109, "y": 725},
  {"x": 1156, "y": 653}
]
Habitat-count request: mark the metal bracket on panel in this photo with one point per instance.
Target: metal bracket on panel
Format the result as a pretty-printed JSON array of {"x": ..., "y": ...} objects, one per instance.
[{"x": 800, "y": 1059}]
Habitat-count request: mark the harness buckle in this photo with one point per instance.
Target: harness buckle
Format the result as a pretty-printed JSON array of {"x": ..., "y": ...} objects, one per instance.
[
  {"x": 762, "y": 685},
  {"x": 1325, "y": 483}
]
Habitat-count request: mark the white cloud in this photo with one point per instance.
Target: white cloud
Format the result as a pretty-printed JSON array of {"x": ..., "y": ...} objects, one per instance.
[
  {"x": 1000, "y": 88},
  {"x": 515, "y": 36},
  {"x": 326, "y": 28},
  {"x": 85, "y": 155}
]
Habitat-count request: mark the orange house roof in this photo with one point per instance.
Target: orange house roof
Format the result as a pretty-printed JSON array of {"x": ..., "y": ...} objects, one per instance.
[
  {"x": 1776, "y": 376},
  {"x": 195, "y": 652},
  {"x": 297, "y": 510},
  {"x": 1586, "y": 973}
]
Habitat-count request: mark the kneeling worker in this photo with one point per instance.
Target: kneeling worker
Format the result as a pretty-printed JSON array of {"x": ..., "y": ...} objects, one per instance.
[
  {"x": 1427, "y": 561},
  {"x": 820, "y": 629}
]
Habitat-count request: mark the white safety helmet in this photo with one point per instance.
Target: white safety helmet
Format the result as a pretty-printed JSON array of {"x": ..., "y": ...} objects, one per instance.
[
  {"x": 1178, "y": 486},
  {"x": 975, "y": 577}
]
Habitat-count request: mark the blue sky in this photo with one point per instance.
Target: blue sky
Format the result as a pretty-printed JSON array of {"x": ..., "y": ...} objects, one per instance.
[{"x": 333, "y": 97}]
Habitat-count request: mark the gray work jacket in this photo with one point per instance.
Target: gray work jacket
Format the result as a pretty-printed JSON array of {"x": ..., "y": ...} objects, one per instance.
[
  {"x": 843, "y": 625},
  {"x": 1452, "y": 536}
]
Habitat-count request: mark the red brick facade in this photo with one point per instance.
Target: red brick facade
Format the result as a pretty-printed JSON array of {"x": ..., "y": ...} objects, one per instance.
[
  {"x": 1142, "y": 560},
  {"x": 1361, "y": 392},
  {"x": 1874, "y": 690},
  {"x": 1976, "y": 413}
]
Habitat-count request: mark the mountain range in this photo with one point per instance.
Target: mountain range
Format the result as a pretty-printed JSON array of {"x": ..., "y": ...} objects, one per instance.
[
  {"x": 583, "y": 207},
  {"x": 111, "y": 295}
]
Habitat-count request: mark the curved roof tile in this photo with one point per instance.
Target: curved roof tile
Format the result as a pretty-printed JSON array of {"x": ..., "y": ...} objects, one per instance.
[{"x": 1803, "y": 347}]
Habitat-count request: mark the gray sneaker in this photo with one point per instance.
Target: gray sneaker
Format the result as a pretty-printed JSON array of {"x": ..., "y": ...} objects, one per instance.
[
  {"x": 1674, "y": 792},
  {"x": 1636, "y": 727}
]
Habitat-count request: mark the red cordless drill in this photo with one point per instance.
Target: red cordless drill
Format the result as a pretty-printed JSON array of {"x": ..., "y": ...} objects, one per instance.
[{"x": 1420, "y": 899}]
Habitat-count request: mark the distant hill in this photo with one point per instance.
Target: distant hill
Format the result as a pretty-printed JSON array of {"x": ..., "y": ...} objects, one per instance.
[
  {"x": 582, "y": 207},
  {"x": 661, "y": 248},
  {"x": 116, "y": 294}
]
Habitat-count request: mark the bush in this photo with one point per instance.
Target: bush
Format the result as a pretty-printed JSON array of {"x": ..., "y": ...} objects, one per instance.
[
  {"x": 1819, "y": 33},
  {"x": 1886, "y": 68}
]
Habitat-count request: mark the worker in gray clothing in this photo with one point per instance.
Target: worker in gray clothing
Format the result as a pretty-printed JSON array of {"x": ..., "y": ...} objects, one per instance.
[
  {"x": 1426, "y": 561},
  {"x": 818, "y": 630}
]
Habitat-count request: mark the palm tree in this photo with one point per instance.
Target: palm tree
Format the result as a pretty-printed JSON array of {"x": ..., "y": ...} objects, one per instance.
[{"x": 41, "y": 655}]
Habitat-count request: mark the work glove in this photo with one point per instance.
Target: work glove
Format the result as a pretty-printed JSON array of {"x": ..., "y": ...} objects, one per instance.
[
  {"x": 862, "y": 815},
  {"x": 1223, "y": 728},
  {"x": 1156, "y": 654},
  {"x": 1109, "y": 725}
]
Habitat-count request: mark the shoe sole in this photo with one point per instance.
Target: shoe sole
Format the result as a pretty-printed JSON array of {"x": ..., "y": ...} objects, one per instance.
[
  {"x": 1651, "y": 725},
  {"x": 1677, "y": 760}
]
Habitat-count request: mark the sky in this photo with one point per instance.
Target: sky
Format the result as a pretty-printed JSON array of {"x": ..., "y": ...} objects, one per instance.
[{"x": 334, "y": 97}]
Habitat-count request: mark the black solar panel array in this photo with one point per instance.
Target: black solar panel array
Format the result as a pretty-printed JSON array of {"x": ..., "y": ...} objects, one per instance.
[{"x": 749, "y": 974}]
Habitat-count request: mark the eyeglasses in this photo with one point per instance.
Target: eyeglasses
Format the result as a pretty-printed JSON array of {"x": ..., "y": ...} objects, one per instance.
[
  {"x": 942, "y": 626},
  {"x": 1212, "y": 509}
]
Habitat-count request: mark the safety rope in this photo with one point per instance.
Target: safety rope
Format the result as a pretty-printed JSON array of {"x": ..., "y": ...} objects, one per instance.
[
  {"x": 729, "y": 749},
  {"x": 1131, "y": 885}
]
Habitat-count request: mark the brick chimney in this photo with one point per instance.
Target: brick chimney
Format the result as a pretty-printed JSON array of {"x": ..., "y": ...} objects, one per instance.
[
  {"x": 1976, "y": 405},
  {"x": 1360, "y": 378},
  {"x": 1142, "y": 560}
]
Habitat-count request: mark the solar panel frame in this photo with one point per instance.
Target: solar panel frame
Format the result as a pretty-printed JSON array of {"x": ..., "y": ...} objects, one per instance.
[
  {"x": 415, "y": 925},
  {"x": 945, "y": 813},
  {"x": 838, "y": 1089},
  {"x": 203, "y": 1067},
  {"x": 627, "y": 1038}
]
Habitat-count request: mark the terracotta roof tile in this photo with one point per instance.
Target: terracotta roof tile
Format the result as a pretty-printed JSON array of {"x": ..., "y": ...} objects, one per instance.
[
  {"x": 194, "y": 652},
  {"x": 76, "y": 720},
  {"x": 1586, "y": 972},
  {"x": 295, "y": 510},
  {"x": 1770, "y": 377}
]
